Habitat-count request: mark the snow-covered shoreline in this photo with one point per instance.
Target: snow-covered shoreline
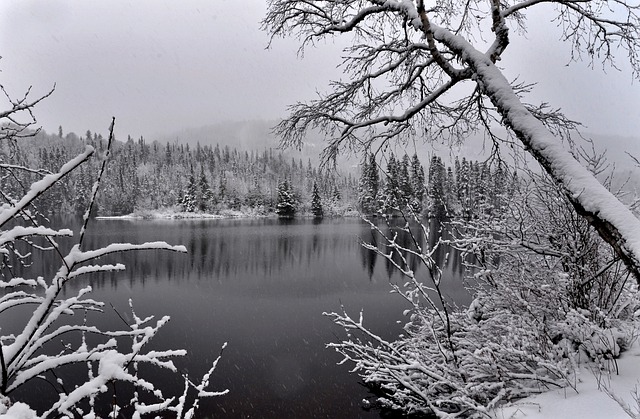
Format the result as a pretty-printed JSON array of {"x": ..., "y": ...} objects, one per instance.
[
  {"x": 224, "y": 214},
  {"x": 588, "y": 400},
  {"x": 171, "y": 215}
]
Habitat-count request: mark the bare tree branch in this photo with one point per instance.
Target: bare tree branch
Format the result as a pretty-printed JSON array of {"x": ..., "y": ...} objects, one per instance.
[{"x": 398, "y": 92}]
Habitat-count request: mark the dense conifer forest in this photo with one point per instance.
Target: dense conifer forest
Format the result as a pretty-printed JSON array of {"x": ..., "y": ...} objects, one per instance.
[
  {"x": 466, "y": 190},
  {"x": 144, "y": 176}
]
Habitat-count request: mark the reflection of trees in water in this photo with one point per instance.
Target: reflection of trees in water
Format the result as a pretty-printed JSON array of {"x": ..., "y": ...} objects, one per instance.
[
  {"x": 367, "y": 256},
  {"x": 241, "y": 248},
  {"x": 232, "y": 249},
  {"x": 446, "y": 257}
]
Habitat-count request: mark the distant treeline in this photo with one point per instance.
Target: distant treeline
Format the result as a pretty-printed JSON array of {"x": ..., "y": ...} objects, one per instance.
[{"x": 146, "y": 176}]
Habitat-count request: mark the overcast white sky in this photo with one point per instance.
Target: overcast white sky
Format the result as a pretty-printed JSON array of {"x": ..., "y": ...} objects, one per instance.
[{"x": 162, "y": 65}]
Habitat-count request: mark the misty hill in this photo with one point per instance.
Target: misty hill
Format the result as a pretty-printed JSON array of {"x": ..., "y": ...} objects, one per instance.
[
  {"x": 251, "y": 135},
  {"x": 245, "y": 135},
  {"x": 256, "y": 135}
]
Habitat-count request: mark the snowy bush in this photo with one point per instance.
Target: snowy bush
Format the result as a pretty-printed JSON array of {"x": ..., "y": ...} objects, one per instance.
[
  {"x": 548, "y": 294},
  {"x": 55, "y": 333}
]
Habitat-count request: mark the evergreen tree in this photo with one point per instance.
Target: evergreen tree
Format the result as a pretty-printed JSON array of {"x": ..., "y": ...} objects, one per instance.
[
  {"x": 316, "y": 204},
  {"x": 464, "y": 188},
  {"x": 390, "y": 191},
  {"x": 374, "y": 178},
  {"x": 437, "y": 185},
  {"x": 368, "y": 186},
  {"x": 405, "y": 190},
  {"x": 188, "y": 201},
  {"x": 498, "y": 196},
  {"x": 254, "y": 196},
  {"x": 222, "y": 186},
  {"x": 286, "y": 203},
  {"x": 363, "y": 196},
  {"x": 484, "y": 189},
  {"x": 336, "y": 196},
  {"x": 474, "y": 188},
  {"x": 417, "y": 184},
  {"x": 205, "y": 194},
  {"x": 450, "y": 194},
  {"x": 458, "y": 177}
]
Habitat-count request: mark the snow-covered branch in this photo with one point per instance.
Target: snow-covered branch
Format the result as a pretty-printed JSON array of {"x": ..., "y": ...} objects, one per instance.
[
  {"x": 41, "y": 186},
  {"x": 27, "y": 354},
  {"x": 363, "y": 114},
  {"x": 18, "y": 118}
]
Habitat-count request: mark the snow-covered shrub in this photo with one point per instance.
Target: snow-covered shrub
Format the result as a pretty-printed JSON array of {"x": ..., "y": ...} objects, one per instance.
[
  {"x": 54, "y": 332},
  {"x": 548, "y": 293}
]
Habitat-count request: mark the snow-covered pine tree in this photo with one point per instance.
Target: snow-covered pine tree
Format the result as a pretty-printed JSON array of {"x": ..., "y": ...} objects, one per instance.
[
  {"x": 451, "y": 197},
  {"x": 405, "y": 190},
  {"x": 205, "y": 194},
  {"x": 390, "y": 191},
  {"x": 499, "y": 186},
  {"x": 316, "y": 203},
  {"x": 464, "y": 188},
  {"x": 286, "y": 202},
  {"x": 437, "y": 185},
  {"x": 336, "y": 195},
  {"x": 189, "y": 199},
  {"x": 368, "y": 185},
  {"x": 222, "y": 184},
  {"x": 417, "y": 184}
]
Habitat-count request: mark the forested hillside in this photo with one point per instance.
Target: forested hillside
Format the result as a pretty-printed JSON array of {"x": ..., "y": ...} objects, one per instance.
[
  {"x": 147, "y": 176},
  {"x": 144, "y": 176}
]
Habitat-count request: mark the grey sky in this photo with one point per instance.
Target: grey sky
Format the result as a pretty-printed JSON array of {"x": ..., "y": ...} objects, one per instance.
[{"x": 160, "y": 66}]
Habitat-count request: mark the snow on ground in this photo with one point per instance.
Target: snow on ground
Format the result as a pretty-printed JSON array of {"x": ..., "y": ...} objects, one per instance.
[
  {"x": 172, "y": 215},
  {"x": 589, "y": 402}
]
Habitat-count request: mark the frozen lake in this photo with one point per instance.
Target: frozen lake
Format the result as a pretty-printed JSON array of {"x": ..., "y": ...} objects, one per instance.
[{"x": 262, "y": 286}]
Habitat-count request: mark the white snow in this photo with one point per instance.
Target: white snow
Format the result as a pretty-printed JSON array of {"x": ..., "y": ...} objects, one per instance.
[
  {"x": 589, "y": 402},
  {"x": 19, "y": 232},
  {"x": 19, "y": 411},
  {"x": 171, "y": 214}
]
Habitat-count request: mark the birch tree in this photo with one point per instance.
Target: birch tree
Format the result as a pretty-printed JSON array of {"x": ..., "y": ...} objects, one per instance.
[{"x": 417, "y": 67}]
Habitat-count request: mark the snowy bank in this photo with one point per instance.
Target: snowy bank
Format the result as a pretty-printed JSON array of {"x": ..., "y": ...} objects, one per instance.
[
  {"x": 224, "y": 214},
  {"x": 155, "y": 215},
  {"x": 590, "y": 401}
]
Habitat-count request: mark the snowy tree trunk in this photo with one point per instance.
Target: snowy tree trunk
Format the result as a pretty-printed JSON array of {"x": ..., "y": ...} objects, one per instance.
[
  {"x": 615, "y": 223},
  {"x": 422, "y": 67}
]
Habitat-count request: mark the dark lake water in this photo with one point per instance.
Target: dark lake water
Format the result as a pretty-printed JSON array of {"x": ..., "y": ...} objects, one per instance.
[{"x": 262, "y": 286}]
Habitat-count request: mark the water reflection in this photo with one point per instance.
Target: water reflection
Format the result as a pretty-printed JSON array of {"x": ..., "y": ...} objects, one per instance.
[
  {"x": 261, "y": 285},
  {"x": 230, "y": 249},
  {"x": 416, "y": 239}
]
